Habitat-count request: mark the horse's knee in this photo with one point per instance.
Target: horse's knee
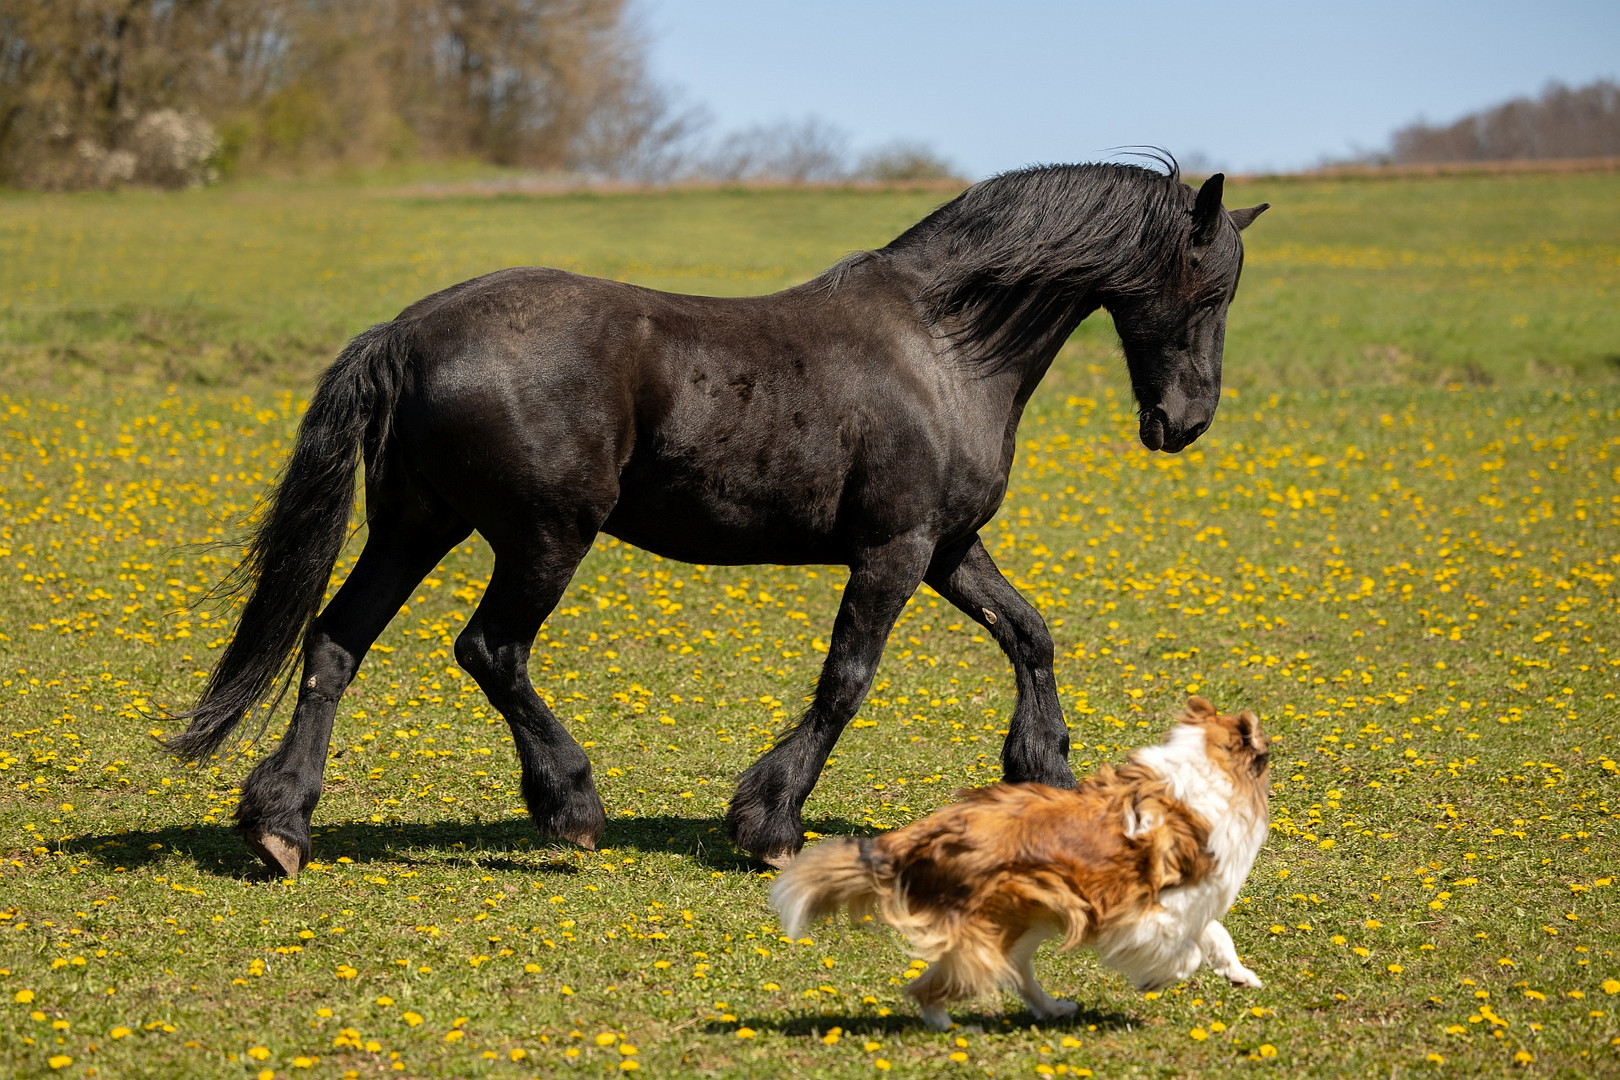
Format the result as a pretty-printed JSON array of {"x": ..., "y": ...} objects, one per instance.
[
  {"x": 489, "y": 665},
  {"x": 1039, "y": 650},
  {"x": 473, "y": 654},
  {"x": 1033, "y": 645}
]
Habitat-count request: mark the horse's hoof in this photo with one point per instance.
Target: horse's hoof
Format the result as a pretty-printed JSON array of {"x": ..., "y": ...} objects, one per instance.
[
  {"x": 779, "y": 860},
  {"x": 586, "y": 840},
  {"x": 276, "y": 853}
]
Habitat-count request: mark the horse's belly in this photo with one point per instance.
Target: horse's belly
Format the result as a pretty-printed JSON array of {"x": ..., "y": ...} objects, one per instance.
[{"x": 702, "y": 527}]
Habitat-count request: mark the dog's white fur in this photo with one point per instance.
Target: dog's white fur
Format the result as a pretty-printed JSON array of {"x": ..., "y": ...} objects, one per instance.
[{"x": 1168, "y": 943}]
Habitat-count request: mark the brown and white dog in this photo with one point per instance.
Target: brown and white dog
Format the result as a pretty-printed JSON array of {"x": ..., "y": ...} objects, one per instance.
[{"x": 1139, "y": 863}]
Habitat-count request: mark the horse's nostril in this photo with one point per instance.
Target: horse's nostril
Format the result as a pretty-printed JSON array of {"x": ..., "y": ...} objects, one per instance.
[{"x": 1154, "y": 429}]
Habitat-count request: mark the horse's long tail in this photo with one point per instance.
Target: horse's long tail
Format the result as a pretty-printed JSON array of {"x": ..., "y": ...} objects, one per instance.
[
  {"x": 828, "y": 876},
  {"x": 294, "y": 548}
]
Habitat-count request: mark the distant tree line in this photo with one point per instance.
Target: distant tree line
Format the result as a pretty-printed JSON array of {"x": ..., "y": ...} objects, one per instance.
[
  {"x": 1561, "y": 123},
  {"x": 100, "y": 92}
]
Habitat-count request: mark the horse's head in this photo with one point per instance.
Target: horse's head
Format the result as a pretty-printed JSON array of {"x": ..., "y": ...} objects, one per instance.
[{"x": 1173, "y": 336}]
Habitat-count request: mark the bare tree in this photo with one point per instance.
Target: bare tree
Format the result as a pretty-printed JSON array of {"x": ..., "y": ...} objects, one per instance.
[
  {"x": 644, "y": 134},
  {"x": 793, "y": 151},
  {"x": 1562, "y": 123}
]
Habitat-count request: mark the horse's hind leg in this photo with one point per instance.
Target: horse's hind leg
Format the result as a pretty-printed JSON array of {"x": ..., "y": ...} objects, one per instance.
[
  {"x": 494, "y": 648},
  {"x": 1037, "y": 746},
  {"x": 764, "y": 814},
  {"x": 279, "y": 796}
]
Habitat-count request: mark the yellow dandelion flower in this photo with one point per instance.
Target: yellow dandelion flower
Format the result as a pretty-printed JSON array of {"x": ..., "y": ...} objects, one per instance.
[
  {"x": 745, "y": 1033},
  {"x": 258, "y": 1053},
  {"x": 59, "y": 1061}
]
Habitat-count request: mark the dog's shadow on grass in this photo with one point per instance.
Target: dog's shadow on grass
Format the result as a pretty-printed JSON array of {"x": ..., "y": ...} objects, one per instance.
[
  {"x": 868, "y": 1026},
  {"x": 494, "y": 845}
]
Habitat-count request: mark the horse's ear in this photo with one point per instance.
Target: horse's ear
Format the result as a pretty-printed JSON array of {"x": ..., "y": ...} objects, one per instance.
[
  {"x": 1207, "y": 210},
  {"x": 1242, "y": 218}
]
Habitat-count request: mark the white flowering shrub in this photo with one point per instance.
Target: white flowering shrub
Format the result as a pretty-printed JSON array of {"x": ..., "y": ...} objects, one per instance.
[{"x": 172, "y": 149}]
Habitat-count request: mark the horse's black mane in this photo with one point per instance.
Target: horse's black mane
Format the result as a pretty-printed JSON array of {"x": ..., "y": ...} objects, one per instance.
[{"x": 1015, "y": 256}]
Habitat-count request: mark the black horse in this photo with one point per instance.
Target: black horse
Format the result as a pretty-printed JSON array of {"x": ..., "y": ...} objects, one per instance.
[{"x": 867, "y": 418}]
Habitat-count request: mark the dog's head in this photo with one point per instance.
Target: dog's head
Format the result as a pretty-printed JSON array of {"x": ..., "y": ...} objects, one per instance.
[{"x": 1235, "y": 742}]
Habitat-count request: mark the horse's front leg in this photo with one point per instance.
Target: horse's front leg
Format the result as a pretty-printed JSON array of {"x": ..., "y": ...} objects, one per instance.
[
  {"x": 1037, "y": 746},
  {"x": 764, "y": 814}
]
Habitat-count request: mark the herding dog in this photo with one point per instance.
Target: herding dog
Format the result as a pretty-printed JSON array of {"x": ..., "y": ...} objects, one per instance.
[{"x": 1139, "y": 863}]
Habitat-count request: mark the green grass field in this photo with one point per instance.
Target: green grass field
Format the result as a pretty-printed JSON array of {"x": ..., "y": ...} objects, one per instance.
[{"x": 1399, "y": 543}]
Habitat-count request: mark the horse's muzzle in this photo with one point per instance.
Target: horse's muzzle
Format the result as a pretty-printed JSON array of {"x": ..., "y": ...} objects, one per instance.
[{"x": 1157, "y": 433}]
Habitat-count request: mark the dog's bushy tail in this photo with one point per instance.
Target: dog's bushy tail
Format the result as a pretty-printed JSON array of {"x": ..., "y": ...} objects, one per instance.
[{"x": 833, "y": 874}]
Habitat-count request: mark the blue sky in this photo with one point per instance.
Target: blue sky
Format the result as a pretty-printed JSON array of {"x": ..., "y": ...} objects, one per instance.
[{"x": 994, "y": 85}]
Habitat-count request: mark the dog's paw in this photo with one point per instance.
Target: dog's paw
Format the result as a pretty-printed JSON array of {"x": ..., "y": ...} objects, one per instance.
[
  {"x": 936, "y": 1017},
  {"x": 1242, "y": 976},
  {"x": 1058, "y": 1010}
]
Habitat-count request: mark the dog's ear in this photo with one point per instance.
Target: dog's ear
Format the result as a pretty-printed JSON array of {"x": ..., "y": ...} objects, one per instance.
[
  {"x": 1253, "y": 737},
  {"x": 1199, "y": 709}
]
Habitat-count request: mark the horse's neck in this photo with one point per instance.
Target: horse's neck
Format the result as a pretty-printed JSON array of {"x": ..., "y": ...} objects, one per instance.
[
  {"x": 1020, "y": 375},
  {"x": 1014, "y": 376}
]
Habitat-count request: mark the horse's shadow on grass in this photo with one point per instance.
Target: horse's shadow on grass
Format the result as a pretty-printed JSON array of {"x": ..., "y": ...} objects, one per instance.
[
  {"x": 703, "y": 839},
  {"x": 494, "y": 845},
  {"x": 866, "y": 1025}
]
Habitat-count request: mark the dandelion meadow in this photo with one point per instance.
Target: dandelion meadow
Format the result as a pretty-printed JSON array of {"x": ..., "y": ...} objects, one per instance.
[{"x": 1399, "y": 543}]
